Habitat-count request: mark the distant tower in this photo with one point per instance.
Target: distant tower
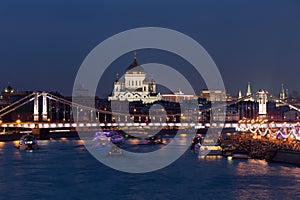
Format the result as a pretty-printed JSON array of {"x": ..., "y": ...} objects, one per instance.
[
  {"x": 248, "y": 93},
  {"x": 117, "y": 87},
  {"x": 262, "y": 104},
  {"x": 282, "y": 93},
  {"x": 8, "y": 89},
  {"x": 240, "y": 95},
  {"x": 153, "y": 85}
]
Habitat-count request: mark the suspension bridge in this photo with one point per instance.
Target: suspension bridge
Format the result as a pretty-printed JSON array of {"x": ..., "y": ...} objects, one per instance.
[{"x": 75, "y": 115}]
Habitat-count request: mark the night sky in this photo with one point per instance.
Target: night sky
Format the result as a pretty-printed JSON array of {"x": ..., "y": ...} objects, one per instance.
[{"x": 43, "y": 43}]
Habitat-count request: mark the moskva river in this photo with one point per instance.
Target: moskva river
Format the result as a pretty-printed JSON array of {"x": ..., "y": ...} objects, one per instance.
[{"x": 64, "y": 169}]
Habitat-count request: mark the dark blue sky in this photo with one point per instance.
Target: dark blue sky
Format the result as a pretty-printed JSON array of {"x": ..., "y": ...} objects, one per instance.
[{"x": 43, "y": 43}]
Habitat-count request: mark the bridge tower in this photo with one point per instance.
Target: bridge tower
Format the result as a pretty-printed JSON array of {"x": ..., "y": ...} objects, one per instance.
[
  {"x": 44, "y": 111},
  {"x": 36, "y": 107},
  {"x": 262, "y": 104}
]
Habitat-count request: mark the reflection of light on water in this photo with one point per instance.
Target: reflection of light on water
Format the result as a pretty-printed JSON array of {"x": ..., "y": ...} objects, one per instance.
[
  {"x": 288, "y": 172},
  {"x": 2, "y": 144},
  {"x": 253, "y": 191},
  {"x": 181, "y": 141},
  {"x": 44, "y": 142},
  {"x": 256, "y": 169},
  {"x": 16, "y": 143},
  {"x": 80, "y": 142},
  {"x": 261, "y": 162},
  {"x": 134, "y": 141},
  {"x": 63, "y": 139},
  {"x": 229, "y": 158},
  {"x": 17, "y": 155},
  {"x": 252, "y": 168}
]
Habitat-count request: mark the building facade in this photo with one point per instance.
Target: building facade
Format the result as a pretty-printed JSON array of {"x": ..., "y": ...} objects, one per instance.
[
  {"x": 134, "y": 86},
  {"x": 178, "y": 97}
]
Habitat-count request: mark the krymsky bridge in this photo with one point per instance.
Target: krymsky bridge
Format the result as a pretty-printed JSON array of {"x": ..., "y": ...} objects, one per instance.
[{"x": 41, "y": 120}]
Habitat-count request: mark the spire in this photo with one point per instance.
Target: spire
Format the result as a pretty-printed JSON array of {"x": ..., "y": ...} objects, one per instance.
[
  {"x": 134, "y": 55},
  {"x": 240, "y": 95},
  {"x": 248, "y": 89},
  {"x": 248, "y": 93},
  {"x": 9, "y": 89},
  {"x": 282, "y": 93}
]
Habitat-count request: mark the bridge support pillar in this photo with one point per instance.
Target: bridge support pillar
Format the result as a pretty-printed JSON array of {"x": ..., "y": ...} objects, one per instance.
[
  {"x": 44, "y": 112},
  {"x": 36, "y": 107},
  {"x": 36, "y": 132},
  {"x": 41, "y": 133}
]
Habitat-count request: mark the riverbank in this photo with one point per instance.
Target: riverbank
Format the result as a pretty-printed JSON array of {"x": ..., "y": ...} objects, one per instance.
[{"x": 257, "y": 147}]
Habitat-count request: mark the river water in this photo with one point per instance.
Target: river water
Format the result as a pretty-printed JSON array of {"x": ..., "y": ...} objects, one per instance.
[{"x": 64, "y": 169}]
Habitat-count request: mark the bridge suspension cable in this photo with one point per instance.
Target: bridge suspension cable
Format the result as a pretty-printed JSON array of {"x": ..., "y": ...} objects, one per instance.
[
  {"x": 16, "y": 102},
  {"x": 21, "y": 102},
  {"x": 284, "y": 102},
  {"x": 15, "y": 105}
]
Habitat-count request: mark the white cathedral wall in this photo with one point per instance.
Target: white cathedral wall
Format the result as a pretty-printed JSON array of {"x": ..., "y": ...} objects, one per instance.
[{"x": 133, "y": 81}]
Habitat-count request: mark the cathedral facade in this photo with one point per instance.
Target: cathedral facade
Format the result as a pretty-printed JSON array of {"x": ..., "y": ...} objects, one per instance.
[{"x": 134, "y": 86}]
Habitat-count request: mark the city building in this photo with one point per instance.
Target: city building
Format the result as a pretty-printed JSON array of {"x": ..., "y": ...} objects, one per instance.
[
  {"x": 10, "y": 95},
  {"x": 178, "y": 97},
  {"x": 134, "y": 86},
  {"x": 214, "y": 95},
  {"x": 291, "y": 116}
]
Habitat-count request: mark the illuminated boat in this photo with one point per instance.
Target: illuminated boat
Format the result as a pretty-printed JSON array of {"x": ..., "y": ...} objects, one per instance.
[
  {"x": 117, "y": 138},
  {"x": 198, "y": 139},
  {"x": 28, "y": 142},
  {"x": 208, "y": 150},
  {"x": 101, "y": 137},
  {"x": 105, "y": 136}
]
